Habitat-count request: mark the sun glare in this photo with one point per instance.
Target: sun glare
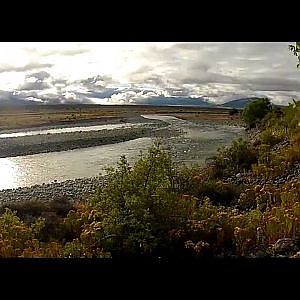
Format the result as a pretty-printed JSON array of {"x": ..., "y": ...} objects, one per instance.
[{"x": 8, "y": 173}]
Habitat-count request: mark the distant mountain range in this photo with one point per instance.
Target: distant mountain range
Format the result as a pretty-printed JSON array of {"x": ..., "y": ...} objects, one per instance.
[
  {"x": 180, "y": 101},
  {"x": 17, "y": 102},
  {"x": 155, "y": 101},
  {"x": 238, "y": 103}
]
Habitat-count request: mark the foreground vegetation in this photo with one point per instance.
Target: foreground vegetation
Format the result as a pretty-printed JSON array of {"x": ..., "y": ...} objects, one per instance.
[{"x": 246, "y": 202}]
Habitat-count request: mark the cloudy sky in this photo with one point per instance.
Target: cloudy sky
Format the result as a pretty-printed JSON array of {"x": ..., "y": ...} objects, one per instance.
[{"x": 135, "y": 73}]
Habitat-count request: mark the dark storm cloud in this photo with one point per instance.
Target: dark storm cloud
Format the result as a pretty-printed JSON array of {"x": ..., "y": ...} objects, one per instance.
[{"x": 28, "y": 67}]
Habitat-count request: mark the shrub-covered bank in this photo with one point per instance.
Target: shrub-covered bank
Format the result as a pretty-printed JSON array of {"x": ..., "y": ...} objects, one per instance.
[{"x": 246, "y": 202}]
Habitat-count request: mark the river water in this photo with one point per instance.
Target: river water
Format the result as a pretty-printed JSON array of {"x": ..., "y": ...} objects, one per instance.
[
  {"x": 70, "y": 129},
  {"x": 197, "y": 143}
]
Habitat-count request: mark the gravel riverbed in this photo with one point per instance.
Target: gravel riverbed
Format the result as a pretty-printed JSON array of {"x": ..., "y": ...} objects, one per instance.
[
  {"x": 42, "y": 143},
  {"x": 72, "y": 190},
  {"x": 80, "y": 189}
]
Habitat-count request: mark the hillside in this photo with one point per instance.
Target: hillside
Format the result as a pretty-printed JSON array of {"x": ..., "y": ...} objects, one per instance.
[
  {"x": 238, "y": 103},
  {"x": 178, "y": 101}
]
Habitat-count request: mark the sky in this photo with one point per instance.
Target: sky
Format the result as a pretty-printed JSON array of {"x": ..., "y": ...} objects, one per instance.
[{"x": 135, "y": 73}]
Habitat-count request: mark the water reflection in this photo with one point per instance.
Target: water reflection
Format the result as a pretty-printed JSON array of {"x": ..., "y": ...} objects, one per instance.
[
  {"x": 161, "y": 117},
  {"x": 199, "y": 142},
  {"x": 70, "y": 129},
  {"x": 34, "y": 169},
  {"x": 9, "y": 171}
]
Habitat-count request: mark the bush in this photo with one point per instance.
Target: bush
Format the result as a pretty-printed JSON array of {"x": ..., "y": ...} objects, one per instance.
[
  {"x": 220, "y": 193},
  {"x": 255, "y": 111},
  {"x": 239, "y": 157},
  {"x": 16, "y": 237},
  {"x": 140, "y": 205},
  {"x": 52, "y": 213},
  {"x": 272, "y": 137},
  {"x": 242, "y": 154}
]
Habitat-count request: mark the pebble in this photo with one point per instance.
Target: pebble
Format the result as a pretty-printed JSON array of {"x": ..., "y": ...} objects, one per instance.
[
  {"x": 26, "y": 145},
  {"x": 77, "y": 189}
]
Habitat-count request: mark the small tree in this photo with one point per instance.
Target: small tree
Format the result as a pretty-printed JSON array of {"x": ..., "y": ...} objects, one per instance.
[
  {"x": 140, "y": 205},
  {"x": 255, "y": 111}
]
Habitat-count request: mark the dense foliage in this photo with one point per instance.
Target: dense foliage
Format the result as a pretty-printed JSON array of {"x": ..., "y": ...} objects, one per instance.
[
  {"x": 255, "y": 111},
  {"x": 246, "y": 202}
]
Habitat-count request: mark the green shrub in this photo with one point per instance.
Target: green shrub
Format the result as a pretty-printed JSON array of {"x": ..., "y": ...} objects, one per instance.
[
  {"x": 239, "y": 157},
  {"x": 140, "y": 205},
  {"x": 265, "y": 156},
  {"x": 220, "y": 193},
  {"x": 272, "y": 137},
  {"x": 255, "y": 111}
]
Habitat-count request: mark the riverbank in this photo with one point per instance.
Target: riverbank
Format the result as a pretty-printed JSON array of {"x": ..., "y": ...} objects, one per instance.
[
  {"x": 81, "y": 123},
  {"x": 244, "y": 203},
  {"x": 183, "y": 146},
  {"x": 69, "y": 190},
  {"x": 188, "y": 142},
  {"x": 51, "y": 115},
  {"x": 43, "y": 143}
]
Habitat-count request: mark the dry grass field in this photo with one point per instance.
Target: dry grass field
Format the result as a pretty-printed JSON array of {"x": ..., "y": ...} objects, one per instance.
[{"x": 43, "y": 115}]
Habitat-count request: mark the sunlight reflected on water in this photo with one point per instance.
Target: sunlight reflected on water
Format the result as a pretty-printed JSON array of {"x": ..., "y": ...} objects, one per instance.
[
  {"x": 198, "y": 143},
  {"x": 41, "y": 168},
  {"x": 9, "y": 171},
  {"x": 69, "y": 129}
]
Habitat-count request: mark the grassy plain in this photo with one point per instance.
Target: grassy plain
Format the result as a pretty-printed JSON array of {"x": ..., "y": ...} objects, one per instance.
[{"x": 47, "y": 115}]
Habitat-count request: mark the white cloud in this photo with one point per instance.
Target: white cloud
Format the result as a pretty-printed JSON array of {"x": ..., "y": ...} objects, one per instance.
[{"x": 132, "y": 72}]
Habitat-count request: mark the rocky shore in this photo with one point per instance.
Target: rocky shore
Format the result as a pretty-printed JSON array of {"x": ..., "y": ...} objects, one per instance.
[
  {"x": 78, "y": 189},
  {"x": 84, "y": 123},
  {"x": 26, "y": 145},
  {"x": 291, "y": 174},
  {"x": 71, "y": 190}
]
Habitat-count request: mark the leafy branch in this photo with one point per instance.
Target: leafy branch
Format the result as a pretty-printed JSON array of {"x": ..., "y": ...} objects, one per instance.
[{"x": 296, "y": 50}]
